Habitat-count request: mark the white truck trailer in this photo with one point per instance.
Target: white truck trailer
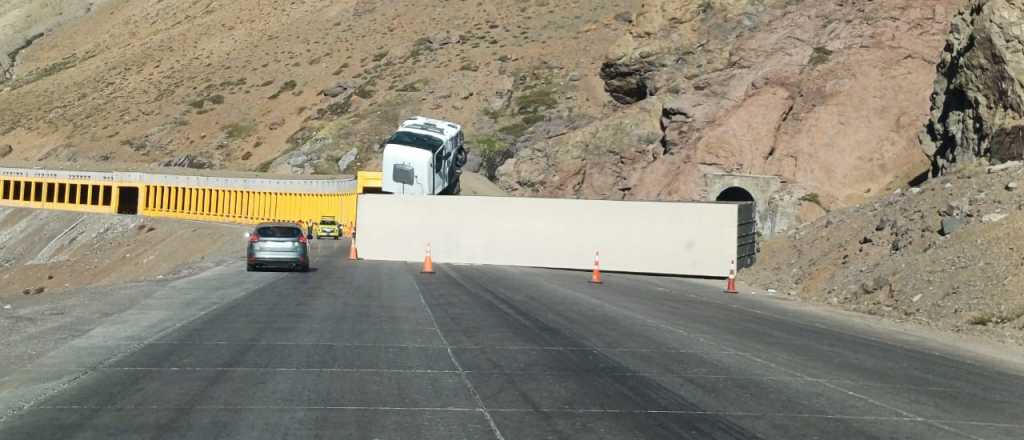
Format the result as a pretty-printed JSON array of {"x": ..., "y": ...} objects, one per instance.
[{"x": 424, "y": 157}]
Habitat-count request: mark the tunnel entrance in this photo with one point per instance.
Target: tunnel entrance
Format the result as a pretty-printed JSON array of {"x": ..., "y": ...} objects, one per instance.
[
  {"x": 735, "y": 194},
  {"x": 746, "y": 244},
  {"x": 128, "y": 200}
]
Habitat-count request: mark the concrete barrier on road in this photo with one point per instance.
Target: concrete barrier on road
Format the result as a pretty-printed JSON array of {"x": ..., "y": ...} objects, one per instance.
[{"x": 694, "y": 239}]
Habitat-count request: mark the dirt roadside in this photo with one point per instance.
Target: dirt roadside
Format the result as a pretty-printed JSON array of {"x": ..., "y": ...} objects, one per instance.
[
  {"x": 49, "y": 252},
  {"x": 945, "y": 255}
]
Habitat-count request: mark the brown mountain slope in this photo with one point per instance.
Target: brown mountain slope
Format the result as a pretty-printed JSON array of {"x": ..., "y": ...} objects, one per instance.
[
  {"x": 232, "y": 82},
  {"x": 830, "y": 95}
]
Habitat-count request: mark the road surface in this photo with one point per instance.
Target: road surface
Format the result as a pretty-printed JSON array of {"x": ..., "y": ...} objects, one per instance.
[{"x": 376, "y": 350}]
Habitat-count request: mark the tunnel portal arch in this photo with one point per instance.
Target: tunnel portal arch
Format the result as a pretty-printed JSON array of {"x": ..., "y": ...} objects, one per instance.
[{"x": 735, "y": 194}]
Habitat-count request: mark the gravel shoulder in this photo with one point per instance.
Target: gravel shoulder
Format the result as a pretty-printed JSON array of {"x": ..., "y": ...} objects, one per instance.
[
  {"x": 945, "y": 255},
  {"x": 50, "y": 252}
]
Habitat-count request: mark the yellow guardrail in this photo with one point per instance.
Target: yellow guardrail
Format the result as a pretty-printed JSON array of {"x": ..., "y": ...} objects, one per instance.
[
  {"x": 238, "y": 206},
  {"x": 369, "y": 181},
  {"x": 233, "y": 200},
  {"x": 69, "y": 195}
]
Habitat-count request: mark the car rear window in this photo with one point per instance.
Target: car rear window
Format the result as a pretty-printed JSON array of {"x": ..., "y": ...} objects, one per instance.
[
  {"x": 278, "y": 232},
  {"x": 328, "y": 222}
]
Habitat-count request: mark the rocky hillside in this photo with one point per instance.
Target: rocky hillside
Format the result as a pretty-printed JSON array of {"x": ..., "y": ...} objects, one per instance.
[
  {"x": 298, "y": 87},
  {"x": 947, "y": 253},
  {"x": 618, "y": 99},
  {"x": 829, "y": 95},
  {"x": 47, "y": 252},
  {"x": 22, "y": 22}
]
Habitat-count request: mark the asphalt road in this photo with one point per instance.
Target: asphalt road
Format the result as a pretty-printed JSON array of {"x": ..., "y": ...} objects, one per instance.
[{"x": 376, "y": 350}]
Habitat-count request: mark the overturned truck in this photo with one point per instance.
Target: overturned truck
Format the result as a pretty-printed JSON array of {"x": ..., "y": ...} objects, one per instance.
[{"x": 424, "y": 157}]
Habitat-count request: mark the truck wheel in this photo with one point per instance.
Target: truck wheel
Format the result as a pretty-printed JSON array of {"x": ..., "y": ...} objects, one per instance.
[{"x": 461, "y": 158}]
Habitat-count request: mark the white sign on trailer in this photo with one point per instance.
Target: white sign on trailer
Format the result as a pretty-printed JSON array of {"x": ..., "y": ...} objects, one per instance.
[{"x": 693, "y": 239}]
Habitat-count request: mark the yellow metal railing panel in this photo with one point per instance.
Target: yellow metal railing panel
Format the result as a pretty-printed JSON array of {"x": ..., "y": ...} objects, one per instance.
[
  {"x": 46, "y": 194},
  {"x": 235, "y": 205}
]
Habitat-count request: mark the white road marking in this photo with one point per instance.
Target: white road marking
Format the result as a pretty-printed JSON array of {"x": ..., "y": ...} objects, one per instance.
[
  {"x": 578, "y": 411},
  {"x": 455, "y": 347},
  {"x": 595, "y": 372},
  {"x": 331, "y": 370},
  {"x": 451, "y": 355},
  {"x": 660, "y": 324}
]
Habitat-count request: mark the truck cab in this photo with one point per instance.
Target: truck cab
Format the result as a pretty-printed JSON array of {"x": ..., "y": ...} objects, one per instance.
[{"x": 424, "y": 157}]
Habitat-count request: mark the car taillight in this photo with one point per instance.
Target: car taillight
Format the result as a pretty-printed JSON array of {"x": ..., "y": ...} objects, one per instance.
[
  {"x": 254, "y": 238},
  {"x": 303, "y": 239}
]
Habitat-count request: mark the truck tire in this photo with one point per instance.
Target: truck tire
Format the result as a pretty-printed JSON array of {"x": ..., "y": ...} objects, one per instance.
[{"x": 461, "y": 157}]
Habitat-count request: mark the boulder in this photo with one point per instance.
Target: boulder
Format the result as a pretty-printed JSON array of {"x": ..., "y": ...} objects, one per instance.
[
  {"x": 1006, "y": 166},
  {"x": 978, "y": 101},
  {"x": 298, "y": 160},
  {"x": 955, "y": 208},
  {"x": 993, "y": 218},
  {"x": 5, "y": 150},
  {"x": 442, "y": 39},
  {"x": 338, "y": 89},
  {"x": 873, "y": 285},
  {"x": 951, "y": 225},
  {"x": 627, "y": 81},
  {"x": 188, "y": 161},
  {"x": 347, "y": 159},
  {"x": 473, "y": 162}
]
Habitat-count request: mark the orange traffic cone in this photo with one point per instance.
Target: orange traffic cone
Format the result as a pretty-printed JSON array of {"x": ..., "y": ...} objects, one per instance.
[
  {"x": 730, "y": 286},
  {"x": 353, "y": 254},
  {"x": 596, "y": 277},
  {"x": 428, "y": 262}
]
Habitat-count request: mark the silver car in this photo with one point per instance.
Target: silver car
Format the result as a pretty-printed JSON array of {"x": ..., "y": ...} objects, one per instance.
[{"x": 277, "y": 246}]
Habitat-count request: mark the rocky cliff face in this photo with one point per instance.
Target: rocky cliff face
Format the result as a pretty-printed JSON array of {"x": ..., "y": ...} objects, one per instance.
[
  {"x": 615, "y": 99},
  {"x": 829, "y": 95},
  {"x": 978, "y": 102}
]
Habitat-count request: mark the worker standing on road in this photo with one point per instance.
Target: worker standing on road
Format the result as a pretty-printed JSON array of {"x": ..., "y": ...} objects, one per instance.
[{"x": 309, "y": 229}]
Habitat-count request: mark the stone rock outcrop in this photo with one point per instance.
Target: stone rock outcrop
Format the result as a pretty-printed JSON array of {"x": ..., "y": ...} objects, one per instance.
[
  {"x": 978, "y": 102},
  {"x": 694, "y": 34},
  {"x": 829, "y": 95},
  {"x": 188, "y": 161},
  {"x": 347, "y": 159},
  {"x": 627, "y": 82},
  {"x": 597, "y": 161}
]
